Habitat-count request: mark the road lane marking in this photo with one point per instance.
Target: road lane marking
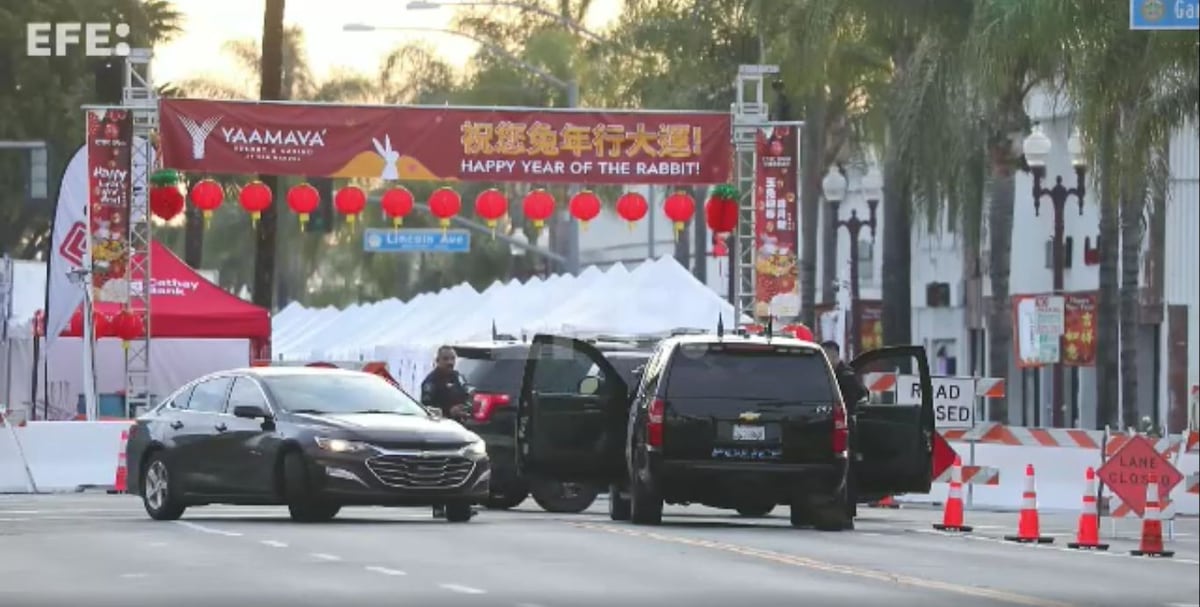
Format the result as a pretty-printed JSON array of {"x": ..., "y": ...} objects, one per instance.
[
  {"x": 273, "y": 543},
  {"x": 815, "y": 565},
  {"x": 209, "y": 530},
  {"x": 158, "y": 544},
  {"x": 996, "y": 540},
  {"x": 132, "y": 576},
  {"x": 385, "y": 570},
  {"x": 325, "y": 557},
  {"x": 15, "y": 520},
  {"x": 462, "y": 589}
]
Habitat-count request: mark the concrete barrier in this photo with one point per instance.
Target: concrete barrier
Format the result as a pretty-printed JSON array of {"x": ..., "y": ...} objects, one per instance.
[{"x": 62, "y": 456}]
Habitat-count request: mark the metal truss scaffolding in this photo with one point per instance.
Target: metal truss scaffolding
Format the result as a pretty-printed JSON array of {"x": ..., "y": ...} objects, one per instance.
[
  {"x": 140, "y": 99},
  {"x": 749, "y": 112}
]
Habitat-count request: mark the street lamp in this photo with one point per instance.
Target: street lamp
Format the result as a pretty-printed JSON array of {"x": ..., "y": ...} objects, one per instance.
[
  {"x": 417, "y": 5},
  {"x": 834, "y": 186},
  {"x": 1037, "y": 147},
  {"x": 571, "y": 87}
]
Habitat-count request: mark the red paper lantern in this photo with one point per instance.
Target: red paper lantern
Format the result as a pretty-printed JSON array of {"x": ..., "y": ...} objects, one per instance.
[
  {"x": 585, "y": 206},
  {"x": 679, "y": 207},
  {"x": 444, "y": 203},
  {"x": 128, "y": 326},
  {"x": 255, "y": 198},
  {"x": 303, "y": 199},
  {"x": 721, "y": 214},
  {"x": 491, "y": 205},
  {"x": 101, "y": 324},
  {"x": 538, "y": 207},
  {"x": 397, "y": 203},
  {"x": 632, "y": 207},
  {"x": 166, "y": 202},
  {"x": 207, "y": 195},
  {"x": 350, "y": 201}
]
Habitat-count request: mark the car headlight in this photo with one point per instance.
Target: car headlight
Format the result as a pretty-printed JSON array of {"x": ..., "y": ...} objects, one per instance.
[
  {"x": 475, "y": 449},
  {"x": 339, "y": 445}
]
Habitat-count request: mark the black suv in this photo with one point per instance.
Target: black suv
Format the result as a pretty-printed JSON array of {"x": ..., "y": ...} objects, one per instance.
[
  {"x": 730, "y": 421},
  {"x": 495, "y": 369}
]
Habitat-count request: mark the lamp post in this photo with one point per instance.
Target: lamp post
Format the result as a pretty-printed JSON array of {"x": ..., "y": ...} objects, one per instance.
[
  {"x": 834, "y": 186},
  {"x": 1037, "y": 148}
]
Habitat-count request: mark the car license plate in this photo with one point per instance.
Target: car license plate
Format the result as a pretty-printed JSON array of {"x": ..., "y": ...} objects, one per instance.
[{"x": 748, "y": 433}]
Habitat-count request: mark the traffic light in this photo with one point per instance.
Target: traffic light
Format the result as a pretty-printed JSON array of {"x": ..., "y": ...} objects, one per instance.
[{"x": 321, "y": 221}]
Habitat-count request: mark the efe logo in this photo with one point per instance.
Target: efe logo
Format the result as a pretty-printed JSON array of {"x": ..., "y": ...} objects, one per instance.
[{"x": 97, "y": 39}]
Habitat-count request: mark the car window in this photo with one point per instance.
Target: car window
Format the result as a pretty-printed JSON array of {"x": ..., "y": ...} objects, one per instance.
[
  {"x": 209, "y": 396},
  {"x": 245, "y": 392},
  {"x": 560, "y": 368},
  {"x": 740, "y": 373},
  {"x": 335, "y": 393},
  {"x": 493, "y": 371},
  {"x": 180, "y": 401}
]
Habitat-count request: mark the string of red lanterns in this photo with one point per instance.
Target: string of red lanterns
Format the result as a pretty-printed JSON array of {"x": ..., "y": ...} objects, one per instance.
[{"x": 398, "y": 202}]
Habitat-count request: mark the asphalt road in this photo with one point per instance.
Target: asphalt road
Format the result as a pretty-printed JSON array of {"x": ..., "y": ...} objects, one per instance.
[{"x": 100, "y": 551}]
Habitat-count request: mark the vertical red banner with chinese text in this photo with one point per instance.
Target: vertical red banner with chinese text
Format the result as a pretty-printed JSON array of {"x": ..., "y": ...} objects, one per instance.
[
  {"x": 1079, "y": 329},
  {"x": 776, "y": 261},
  {"x": 109, "y": 143},
  {"x": 870, "y": 324}
]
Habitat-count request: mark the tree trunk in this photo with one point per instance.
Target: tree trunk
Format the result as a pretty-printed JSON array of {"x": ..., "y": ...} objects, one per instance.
[
  {"x": 193, "y": 237},
  {"x": 897, "y": 257},
  {"x": 1001, "y": 198},
  {"x": 1132, "y": 204},
  {"x": 810, "y": 200},
  {"x": 272, "y": 82},
  {"x": 1108, "y": 368}
]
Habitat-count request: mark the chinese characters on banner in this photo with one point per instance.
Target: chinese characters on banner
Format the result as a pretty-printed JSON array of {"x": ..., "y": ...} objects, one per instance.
[
  {"x": 1079, "y": 337},
  {"x": 109, "y": 133},
  {"x": 1039, "y": 326},
  {"x": 446, "y": 144},
  {"x": 776, "y": 289}
]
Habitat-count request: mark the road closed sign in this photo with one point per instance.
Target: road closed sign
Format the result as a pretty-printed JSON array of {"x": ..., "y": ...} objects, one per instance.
[{"x": 953, "y": 399}]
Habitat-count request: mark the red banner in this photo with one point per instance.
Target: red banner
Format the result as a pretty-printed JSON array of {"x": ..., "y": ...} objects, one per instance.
[
  {"x": 446, "y": 144},
  {"x": 776, "y": 262},
  {"x": 870, "y": 325},
  {"x": 109, "y": 160},
  {"x": 1079, "y": 334}
]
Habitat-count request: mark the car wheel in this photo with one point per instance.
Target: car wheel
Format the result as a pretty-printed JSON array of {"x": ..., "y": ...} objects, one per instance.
[
  {"x": 755, "y": 510},
  {"x": 303, "y": 506},
  {"x": 459, "y": 513},
  {"x": 158, "y": 490},
  {"x": 618, "y": 506},
  {"x": 564, "y": 498},
  {"x": 832, "y": 515},
  {"x": 645, "y": 502}
]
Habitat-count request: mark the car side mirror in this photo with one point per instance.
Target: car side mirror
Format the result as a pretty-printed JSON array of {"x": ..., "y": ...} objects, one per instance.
[
  {"x": 434, "y": 412},
  {"x": 589, "y": 385},
  {"x": 251, "y": 412}
]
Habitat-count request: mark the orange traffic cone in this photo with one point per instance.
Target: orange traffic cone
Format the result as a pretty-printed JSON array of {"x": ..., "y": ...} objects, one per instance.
[
  {"x": 1029, "y": 527},
  {"x": 122, "y": 480},
  {"x": 887, "y": 502},
  {"x": 1152, "y": 540},
  {"x": 952, "y": 514},
  {"x": 1088, "y": 535}
]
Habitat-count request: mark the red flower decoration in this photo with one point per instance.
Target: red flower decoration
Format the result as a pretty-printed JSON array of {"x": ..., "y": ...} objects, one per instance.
[{"x": 166, "y": 202}]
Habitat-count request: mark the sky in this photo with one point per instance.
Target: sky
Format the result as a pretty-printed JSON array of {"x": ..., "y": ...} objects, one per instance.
[{"x": 209, "y": 23}]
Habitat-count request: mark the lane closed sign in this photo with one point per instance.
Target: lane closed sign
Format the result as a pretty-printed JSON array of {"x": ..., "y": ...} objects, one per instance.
[{"x": 953, "y": 399}]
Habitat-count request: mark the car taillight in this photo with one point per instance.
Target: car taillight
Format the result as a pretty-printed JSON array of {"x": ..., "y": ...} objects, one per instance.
[
  {"x": 841, "y": 430},
  {"x": 654, "y": 422},
  {"x": 486, "y": 404}
]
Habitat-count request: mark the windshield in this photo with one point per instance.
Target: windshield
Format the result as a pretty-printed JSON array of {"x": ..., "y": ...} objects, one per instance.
[
  {"x": 340, "y": 393},
  {"x": 775, "y": 374}
]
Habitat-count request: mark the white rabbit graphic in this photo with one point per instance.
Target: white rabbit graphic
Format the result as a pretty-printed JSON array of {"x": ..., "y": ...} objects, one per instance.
[{"x": 390, "y": 157}]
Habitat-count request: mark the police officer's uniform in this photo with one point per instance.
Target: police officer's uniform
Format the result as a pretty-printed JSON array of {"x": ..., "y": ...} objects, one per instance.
[{"x": 444, "y": 390}]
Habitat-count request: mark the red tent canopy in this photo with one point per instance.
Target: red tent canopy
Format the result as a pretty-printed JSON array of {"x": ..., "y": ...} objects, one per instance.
[{"x": 183, "y": 304}]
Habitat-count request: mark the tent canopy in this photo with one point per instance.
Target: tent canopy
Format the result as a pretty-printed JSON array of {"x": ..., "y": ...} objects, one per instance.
[{"x": 183, "y": 304}]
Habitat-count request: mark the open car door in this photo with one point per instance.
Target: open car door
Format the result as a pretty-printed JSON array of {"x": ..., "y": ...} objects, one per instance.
[
  {"x": 571, "y": 414},
  {"x": 893, "y": 443}
]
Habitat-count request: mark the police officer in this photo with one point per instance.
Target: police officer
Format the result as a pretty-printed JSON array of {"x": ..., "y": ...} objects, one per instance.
[
  {"x": 447, "y": 390},
  {"x": 852, "y": 388}
]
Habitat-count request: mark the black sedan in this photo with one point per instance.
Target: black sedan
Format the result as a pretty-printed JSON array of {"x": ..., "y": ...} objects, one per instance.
[{"x": 311, "y": 439}]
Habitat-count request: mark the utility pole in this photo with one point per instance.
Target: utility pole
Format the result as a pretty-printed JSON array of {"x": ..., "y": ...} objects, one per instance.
[{"x": 270, "y": 89}]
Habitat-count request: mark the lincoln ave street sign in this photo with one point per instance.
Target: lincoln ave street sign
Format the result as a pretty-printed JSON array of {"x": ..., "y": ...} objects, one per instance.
[
  {"x": 1136, "y": 465},
  {"x": 416, "y": 240}
]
